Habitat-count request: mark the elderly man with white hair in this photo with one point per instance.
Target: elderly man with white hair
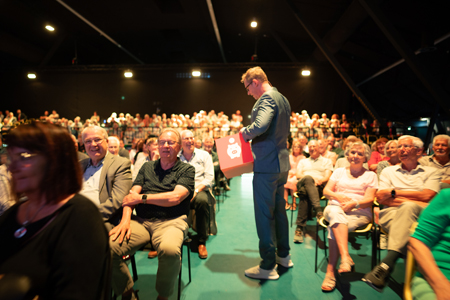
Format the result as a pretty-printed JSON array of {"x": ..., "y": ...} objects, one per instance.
[
  {"x": 440, "y": 159},
  {"x": 404, "y": 190},
  {"x": 113, "y": 145},
  {"x": 204, "y": 177}
]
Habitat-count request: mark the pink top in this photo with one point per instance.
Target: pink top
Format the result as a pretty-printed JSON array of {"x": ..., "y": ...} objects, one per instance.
[
  {"x": 375, "y": 158},
  {"x": 354, "y": 188}
]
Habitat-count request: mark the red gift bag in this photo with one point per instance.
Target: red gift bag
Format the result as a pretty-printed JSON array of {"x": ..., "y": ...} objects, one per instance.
[{"x": 235, "y": 155}]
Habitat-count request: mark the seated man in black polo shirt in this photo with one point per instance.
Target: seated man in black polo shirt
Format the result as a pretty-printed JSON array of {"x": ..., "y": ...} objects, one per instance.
[{"x": 161, "y": 194}]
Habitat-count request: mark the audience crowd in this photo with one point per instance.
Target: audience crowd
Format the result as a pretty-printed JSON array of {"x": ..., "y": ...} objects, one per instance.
[{"x": 352, "y": 166}]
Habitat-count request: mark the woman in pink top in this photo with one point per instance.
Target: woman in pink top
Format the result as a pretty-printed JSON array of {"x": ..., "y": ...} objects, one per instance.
[
  {"x": 378, "y": 154},
  {"x": 291, "y": 184},
  {"x": 351, "y": 191}
]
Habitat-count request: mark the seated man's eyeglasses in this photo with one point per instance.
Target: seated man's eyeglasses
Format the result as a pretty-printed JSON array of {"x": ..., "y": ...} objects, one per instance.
[
  {"x": 170, "y": 143},
  {"x": 90, "y": 142}
]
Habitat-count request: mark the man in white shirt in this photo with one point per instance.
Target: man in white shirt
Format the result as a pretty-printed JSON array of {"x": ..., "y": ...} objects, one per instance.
[
  {"x": 313, "y": 174},
  {"x": 404, "y": 190},
  {"x": 204, "y": 177}
]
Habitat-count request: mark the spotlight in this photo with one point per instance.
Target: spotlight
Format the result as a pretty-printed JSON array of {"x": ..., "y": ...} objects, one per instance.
[
  {"x": 306, "y": 72},
  {"x": 254, "y": 24},
  {"x": 128, "y": 74},
  {"x": 31, "y": 75},
  {"x": 50, "y": 28},
  {"x": 196, "y": 73}
]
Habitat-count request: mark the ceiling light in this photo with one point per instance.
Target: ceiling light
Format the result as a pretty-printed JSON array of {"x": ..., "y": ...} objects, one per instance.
[
  {"x": 254, "y": 24},
  {"x": 306, "y": 72},
  {"x": 196, "y": 73},
  {"x": 31, "y": 75},
  {"x": 49, "y": 28},
  {"x": 128, "y": 74}
]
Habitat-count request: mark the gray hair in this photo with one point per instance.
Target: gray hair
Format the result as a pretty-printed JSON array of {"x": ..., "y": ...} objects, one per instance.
[
  {"x": 415, "y": 140},
  {"x": 176, "y": 132},
  {"x": 442, "y": 137},
  {"x": 387, "y": 145},
  {"x": 311, "y": 141},
  {"x": 94, "y": 128},
  {"x": 367, "y": 151},
  {"x": 114, "y": 138}
]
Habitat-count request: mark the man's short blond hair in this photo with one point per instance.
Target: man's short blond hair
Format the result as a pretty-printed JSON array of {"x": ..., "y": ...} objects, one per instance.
[{"x": 254, "y": 73}]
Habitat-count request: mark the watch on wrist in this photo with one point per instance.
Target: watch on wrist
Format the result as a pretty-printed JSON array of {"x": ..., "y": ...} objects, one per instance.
[
  {"x": 393, "y": 193},
  {"x": 196, "y": 191},
  {"x": 144, "y": 199}
]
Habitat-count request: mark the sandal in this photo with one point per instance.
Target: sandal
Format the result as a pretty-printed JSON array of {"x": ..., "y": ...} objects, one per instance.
[
  {"x": 328, "y": 284},
  {"x": 294, "y": 206},
  {"x": 288, "y": 206},
  {"x": 346, "y": 266}
]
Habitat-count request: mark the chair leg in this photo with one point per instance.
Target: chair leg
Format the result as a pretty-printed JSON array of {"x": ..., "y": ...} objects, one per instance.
[
  {"x": 179, "y": 274},
  {"x": 188, "y": 245},
  {"x": 317, "y": 247},
  {"x": 133, "y": 266}
]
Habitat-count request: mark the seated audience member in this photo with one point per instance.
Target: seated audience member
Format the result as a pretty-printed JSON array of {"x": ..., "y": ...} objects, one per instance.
[
  {"x": 198, "y": 143},
  {"x": 378, "y": 154},
  {"x": 107, "y": 177},
  {"x": 440, "y": 159},
  {"x": 291, "y": 184},
  {"x": 122, "y": 151},
  {"x": 391, "y": 152},
  {"x": 140, "y": 143},
  {"x": 323, "y": 144},
  {"x": 219, "y": 177},
  {"x": 312, "y": 174},
  {"x": 333, "y": 147},
  {"x": 150, "y": 153},
  {"x": 364, "y": 130},
  {"x": 343, "y": 162},
  {"x": 304, "y": 142},
  {"x": 350, "y": 191},
  {"x": 113, "y": 145},
  {"x": 204, "y": 176},
  {"x": 404, "y": 190},
  {"x": 430, "y": 247},
  {"x": 6, "y": 197},
  {"x": 161, "y": 195},
  {"x": 80, "y": 154},
  {"x": 55, "y": 237},
  {"x": 21, "y": 116}
]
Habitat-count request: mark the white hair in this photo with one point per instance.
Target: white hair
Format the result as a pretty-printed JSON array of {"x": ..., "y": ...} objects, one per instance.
[
  {"x": 415, "y": 140},
  {"x": 442, "y": 137},
  {"x": 94, "y": 127},
  {"x": 387, "y": 145},
  {"x": 366, "y": 148},
  {"x": 113, "y": 138}
]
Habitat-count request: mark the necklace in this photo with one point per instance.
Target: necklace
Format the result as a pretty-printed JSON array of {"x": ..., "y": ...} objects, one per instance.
[{"x": 23, "y": 230}]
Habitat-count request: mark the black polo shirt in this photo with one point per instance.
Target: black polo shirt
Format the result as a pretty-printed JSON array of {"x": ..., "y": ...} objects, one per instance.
[{"x": 154, "y": 180}]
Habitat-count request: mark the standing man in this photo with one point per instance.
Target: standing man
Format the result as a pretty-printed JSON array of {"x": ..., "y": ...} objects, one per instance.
[
  {"x": 269, "y": 131},
  {"x": 204, "y": 176}
]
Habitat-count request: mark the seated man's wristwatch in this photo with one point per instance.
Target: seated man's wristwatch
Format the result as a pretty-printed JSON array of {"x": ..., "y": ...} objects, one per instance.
[
  {"x": 393, "y": 193},
  {"x": 144, "y": 199}
]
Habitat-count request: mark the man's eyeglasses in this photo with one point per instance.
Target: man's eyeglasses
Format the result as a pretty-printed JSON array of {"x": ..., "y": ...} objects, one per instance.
[
  {"x": 170, "y": 143},
  {"x": 90, "y": 142},
  {"x": 248, "y": 85}
]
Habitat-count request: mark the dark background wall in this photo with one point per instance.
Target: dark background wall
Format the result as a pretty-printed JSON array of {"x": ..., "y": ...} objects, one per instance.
[{"x": 76, "y": 93}]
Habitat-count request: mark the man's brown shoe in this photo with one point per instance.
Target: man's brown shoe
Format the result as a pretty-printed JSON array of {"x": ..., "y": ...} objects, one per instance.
[
  {"x": 202, "y": 252},
  {"x": 152, "y": 254}
]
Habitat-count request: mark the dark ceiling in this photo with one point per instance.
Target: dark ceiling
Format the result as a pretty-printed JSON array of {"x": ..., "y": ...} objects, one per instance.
[{"x": 164, "y": 32}]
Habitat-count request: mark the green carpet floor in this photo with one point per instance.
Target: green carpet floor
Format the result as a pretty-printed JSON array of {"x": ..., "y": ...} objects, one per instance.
[{"x": 235, "y": 248}]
